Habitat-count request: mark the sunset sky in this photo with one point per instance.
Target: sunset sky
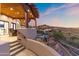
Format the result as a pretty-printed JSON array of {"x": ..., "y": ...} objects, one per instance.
[{"x": 58, "y": 14}]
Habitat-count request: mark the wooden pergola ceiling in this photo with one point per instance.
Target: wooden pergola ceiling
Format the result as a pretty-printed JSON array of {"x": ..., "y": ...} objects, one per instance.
[
  {"x": 14, "y": 10},
  {"x": 33, "y": 9}
]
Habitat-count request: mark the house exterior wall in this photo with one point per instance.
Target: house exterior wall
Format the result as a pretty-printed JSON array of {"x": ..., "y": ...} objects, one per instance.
[{"x": 10, "y": 21}]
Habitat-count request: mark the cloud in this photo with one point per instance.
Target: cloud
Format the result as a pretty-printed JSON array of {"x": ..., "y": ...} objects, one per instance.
[
  {"x": 53, "y": 9},
  {"x": 56, "y": 21},
  {"x": 73, "y": 11},
  {"x": 70, "y": 17},
  {"x": 52, "y": 21}
]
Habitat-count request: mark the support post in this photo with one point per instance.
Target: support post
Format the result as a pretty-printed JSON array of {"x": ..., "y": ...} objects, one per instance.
[
  {"x": 26, "y": 19},
  {"x": 35, "y": 23}
]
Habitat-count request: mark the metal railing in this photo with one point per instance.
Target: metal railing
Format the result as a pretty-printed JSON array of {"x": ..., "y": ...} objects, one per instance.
[
  {"x": 64, "y": 51},
  {"x": 74, "y": 51}
]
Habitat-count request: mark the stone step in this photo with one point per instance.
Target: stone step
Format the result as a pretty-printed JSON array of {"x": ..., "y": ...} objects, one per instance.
[
  {"x": 26, "y": 52},
  {"x": 14, "y": 44},
  {"x": 16, "y": 51},
  {"x": 15, "y": 47}
]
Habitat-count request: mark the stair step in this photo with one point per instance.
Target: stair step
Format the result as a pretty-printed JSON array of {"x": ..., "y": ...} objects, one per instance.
[
  {"x": 14, "y": 44},
  {"x": 15, "y": 47},
  {"x": 26, "y": 52},
  {"x": 17, "y": 51}
]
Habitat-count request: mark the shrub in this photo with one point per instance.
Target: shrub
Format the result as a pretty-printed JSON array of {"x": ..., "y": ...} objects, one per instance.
[{"x": 58, "y": 35}]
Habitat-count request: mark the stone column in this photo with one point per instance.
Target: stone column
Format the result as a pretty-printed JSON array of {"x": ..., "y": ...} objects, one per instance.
[
  {"x": 26, "y": 19},
  {"x": 35, "y": 23}
]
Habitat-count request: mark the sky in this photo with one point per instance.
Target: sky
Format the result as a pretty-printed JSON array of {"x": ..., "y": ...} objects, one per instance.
[{"x": 58, "y": 14}]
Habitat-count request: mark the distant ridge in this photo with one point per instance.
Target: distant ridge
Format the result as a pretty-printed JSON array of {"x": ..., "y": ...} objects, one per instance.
[{"x": 56, "y": 26}]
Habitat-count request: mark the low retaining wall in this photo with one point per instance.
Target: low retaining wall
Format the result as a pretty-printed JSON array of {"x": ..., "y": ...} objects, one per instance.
[{"x": 38, "y": 48}]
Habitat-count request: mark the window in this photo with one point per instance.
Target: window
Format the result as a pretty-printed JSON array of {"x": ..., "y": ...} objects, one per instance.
[
  {"x": 1, "y": 24},
  {"x": 13, "y": 25},
  {"x": 3, "y": 27}
]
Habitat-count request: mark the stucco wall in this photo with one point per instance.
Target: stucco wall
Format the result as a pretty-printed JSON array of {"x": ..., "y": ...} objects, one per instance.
[
  {"x": 30, "y": 33},
  {"x": 10, "y": 20}
]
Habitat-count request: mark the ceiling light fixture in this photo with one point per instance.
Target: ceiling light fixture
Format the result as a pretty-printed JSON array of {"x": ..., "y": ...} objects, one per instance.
[
  {"x": 17, "y": 12},
  {"x": 11, "y": 8},
  {"x": 28, "y": 10}
]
